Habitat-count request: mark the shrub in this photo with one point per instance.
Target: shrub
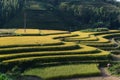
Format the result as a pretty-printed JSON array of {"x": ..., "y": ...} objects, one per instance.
[
  {"x": 95, "y": 30},
  {"x": 115, "y": 69},
  {"x": 101, "y": 29},
  {"x": 4, "y": 77}
]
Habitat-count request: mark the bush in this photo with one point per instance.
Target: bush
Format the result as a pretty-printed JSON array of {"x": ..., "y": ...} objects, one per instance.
[
  {"x": 115, "y": 69},
  {"x": 101, "y": 29},
  {"x": 95, "y": 30},
  {"x": 4, "y": 77}
]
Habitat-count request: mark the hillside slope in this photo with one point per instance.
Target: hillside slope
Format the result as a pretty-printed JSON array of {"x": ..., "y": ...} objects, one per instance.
[{"x": 68, "y": 15}]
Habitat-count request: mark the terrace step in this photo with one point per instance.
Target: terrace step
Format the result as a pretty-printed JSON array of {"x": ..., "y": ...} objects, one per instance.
[
  {"x": 82, "y": 50},
  {"x": 52, "y": 47},
  {"x": 37, "y": 32},
  {"x": 117, "y": 52},
  {"x": 101, "y": 56},
  {"x": 100, "y": 44},
  {"x": 115, "y": 57},
  {"x": 28, "y": 40},
  {"x": 66, "y": 46},
  {"x": 108, "y": 48},
  {"x": 78, "y": 38}
]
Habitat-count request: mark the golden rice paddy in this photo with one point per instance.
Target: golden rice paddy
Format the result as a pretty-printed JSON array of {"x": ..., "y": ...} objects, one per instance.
[{"x": 54, "y": 46}]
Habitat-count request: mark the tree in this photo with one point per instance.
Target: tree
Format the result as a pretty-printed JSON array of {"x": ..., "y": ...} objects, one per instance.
[{"x": 8, "y": 8}]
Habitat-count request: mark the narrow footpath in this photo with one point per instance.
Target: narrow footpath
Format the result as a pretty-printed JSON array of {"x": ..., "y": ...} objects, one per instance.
[{"x": 105, "y": 76}]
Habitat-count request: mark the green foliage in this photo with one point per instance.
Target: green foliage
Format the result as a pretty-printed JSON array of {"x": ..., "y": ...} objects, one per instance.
[
  {"x": 15, "y": 72},
  {"x": 91, "y": 14},
  {"x": 38, "y": 5},
  {"x": 4, "y": 77},
  {"x": 67, "y": 14},
  {"x": 8, "y": 8},
  {"x": 115, "y": 69},
  {"x": 95, "y": 30}
]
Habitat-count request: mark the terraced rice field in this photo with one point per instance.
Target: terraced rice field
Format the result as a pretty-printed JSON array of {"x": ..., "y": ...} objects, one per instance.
[
  {"x": 53, "y": 47},
  {"x": 65, "y": 71},
  {"x": 27, "y": 31}
]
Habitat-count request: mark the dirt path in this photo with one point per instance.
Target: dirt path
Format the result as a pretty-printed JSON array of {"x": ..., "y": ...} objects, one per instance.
[{"x": 105, "y": 76}]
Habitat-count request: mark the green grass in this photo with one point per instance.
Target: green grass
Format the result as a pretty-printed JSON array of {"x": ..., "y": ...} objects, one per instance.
[
  {"x": 4, "y": 77},
  {"x": 65, "y": 71},
  {"x": 115, "y": 69}
]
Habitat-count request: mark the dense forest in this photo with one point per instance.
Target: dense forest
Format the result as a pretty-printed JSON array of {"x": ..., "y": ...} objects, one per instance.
[
  {"x": 92, "y": 14},
  {"x": 8, "y": 8},
  {"x": 75, "y": 14}
]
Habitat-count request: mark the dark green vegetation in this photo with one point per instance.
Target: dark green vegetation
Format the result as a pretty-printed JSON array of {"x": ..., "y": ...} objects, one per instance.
[
  {"x": 95, "y": 30},
  {"x": 59, "y": 55},
  {"x": 8, "y": 9},
  {"x": 68, "y": 14},
  {"x": 90, "y": 14},
  {"x": 4, "y": 77},
  {"x": 115, "y": 69}
]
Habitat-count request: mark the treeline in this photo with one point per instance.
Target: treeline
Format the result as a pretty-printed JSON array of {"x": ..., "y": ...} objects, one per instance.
[
  {"x": 86, "y": 15},
  {"x": 8, "y": 8},
  {"x": 74, "y": 14},
  {"x": 59, "y": 1}
]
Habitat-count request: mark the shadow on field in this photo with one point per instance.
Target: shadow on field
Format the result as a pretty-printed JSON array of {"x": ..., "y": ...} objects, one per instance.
[{"x": 29, "y": 77}]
